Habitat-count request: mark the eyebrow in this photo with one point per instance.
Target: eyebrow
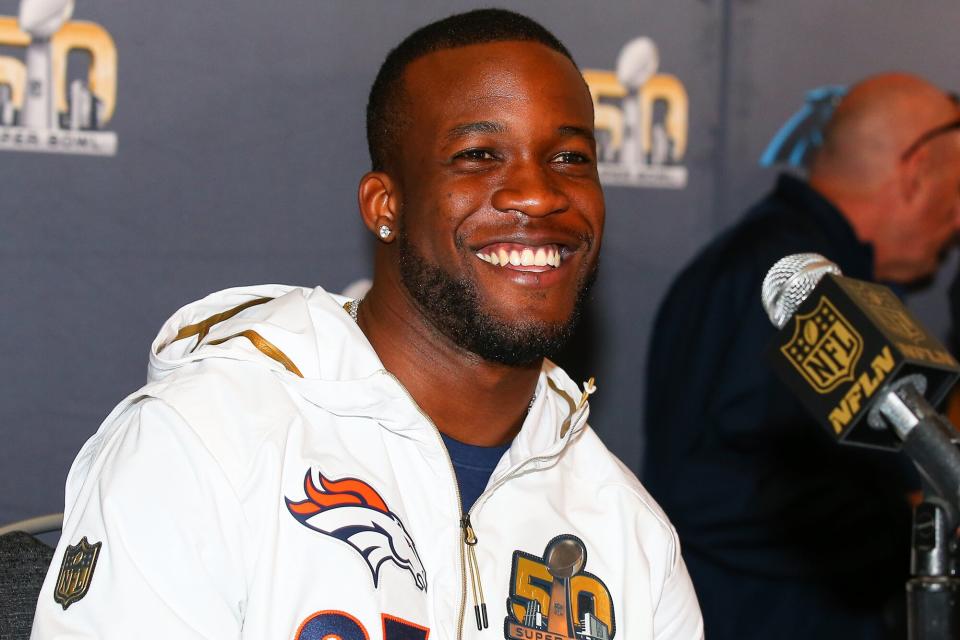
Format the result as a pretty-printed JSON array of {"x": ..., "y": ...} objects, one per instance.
[
  {"x": 581, "y": 132},
  {"x": 490, "y": 126},
  {"x": 469, "y": 128}
]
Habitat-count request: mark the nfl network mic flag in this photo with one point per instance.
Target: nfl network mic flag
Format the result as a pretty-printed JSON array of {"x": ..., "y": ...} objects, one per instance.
[{"x": 846, "y": 341}]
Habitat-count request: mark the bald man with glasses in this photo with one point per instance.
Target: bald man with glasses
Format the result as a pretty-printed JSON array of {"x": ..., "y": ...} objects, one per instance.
[{"x": 787, "y": 535}]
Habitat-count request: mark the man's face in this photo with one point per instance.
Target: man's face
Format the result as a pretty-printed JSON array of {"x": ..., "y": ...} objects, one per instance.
[
  {"x": 501, "y": 210},
  {"x": 934, "y": 218}
]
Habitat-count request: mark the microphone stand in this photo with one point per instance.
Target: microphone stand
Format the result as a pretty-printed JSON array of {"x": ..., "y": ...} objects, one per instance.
[{"x": 933, "y": 590}]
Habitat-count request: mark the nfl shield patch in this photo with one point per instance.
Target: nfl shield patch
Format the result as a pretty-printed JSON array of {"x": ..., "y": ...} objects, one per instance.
[{"x": 76, "y": 572}]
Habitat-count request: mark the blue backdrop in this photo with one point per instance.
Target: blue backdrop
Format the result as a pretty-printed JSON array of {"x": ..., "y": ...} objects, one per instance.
[{"x": 239, "y": 142}]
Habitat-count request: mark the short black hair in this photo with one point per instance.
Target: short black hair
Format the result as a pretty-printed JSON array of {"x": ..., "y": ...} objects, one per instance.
[{"x": 384, "y": 106}]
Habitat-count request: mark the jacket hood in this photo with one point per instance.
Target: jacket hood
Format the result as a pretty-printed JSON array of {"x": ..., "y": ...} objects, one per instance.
[
  {"x": 307, "y": 336},
  {"x": 274, "y": 325}
]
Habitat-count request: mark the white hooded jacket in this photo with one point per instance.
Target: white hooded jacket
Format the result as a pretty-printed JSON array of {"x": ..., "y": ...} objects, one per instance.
[{"x": 272, "y": 480}]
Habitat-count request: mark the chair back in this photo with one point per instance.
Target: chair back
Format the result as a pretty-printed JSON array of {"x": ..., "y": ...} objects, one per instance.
[{"x": 23, "y": 566}]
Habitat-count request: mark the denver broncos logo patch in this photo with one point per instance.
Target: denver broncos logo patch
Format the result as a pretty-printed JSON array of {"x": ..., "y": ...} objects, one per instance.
[{"x": 351, "y": 511}]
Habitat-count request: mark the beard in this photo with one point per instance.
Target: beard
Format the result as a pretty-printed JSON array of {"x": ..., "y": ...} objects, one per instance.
[{"x": 452, "y": 305}]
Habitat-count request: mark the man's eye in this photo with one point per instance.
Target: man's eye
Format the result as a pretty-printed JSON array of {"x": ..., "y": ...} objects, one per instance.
[
  {"x": 571, "y": 157},
  {"x": 474, "y": 155}
]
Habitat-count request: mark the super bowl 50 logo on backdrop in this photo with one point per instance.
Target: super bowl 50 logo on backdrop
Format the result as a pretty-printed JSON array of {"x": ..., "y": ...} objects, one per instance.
[
  {"x": 641, "y": 119},
  {"x": 41, "y": 108}
]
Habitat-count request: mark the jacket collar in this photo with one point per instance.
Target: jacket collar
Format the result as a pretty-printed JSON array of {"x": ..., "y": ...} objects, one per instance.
[
  {"x": 854, "y": 257},
  {"x": 338, "y": 369}
]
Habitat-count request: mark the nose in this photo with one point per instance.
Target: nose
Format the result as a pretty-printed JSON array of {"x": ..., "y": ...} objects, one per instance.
[{"x": 531, "y": 189}]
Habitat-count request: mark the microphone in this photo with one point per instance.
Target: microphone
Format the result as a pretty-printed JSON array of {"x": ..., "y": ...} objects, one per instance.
[
  {"x": 850, "y": 344},
  {"x": 861, "y": 363}
]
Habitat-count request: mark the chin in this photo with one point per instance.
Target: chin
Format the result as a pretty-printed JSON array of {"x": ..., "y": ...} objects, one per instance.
[
  {"x": 921, "y": 280},
  {"x": 527, "y": 310},
  {"x": 511, "y": 323}
]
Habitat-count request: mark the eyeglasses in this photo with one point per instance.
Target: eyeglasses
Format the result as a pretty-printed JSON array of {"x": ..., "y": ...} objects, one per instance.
[{"x": 930, "y": 135}]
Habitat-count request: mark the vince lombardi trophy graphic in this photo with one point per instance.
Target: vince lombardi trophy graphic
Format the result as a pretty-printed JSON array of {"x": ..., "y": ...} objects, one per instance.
[
  {"x": 565, "y": 558},
  {"x": 41, "y": 19},
  {"x": 638, "y": 62}
]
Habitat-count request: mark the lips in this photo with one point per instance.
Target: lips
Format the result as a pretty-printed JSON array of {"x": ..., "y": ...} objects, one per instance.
[{"x": 521, "y": 257}]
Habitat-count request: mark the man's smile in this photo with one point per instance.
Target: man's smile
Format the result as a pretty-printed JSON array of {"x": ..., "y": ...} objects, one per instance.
[{"x": 522, "y": 257}]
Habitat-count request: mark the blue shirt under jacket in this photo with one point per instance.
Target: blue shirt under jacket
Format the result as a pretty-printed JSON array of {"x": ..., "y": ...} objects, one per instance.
[{"x": 473, "y": 465}]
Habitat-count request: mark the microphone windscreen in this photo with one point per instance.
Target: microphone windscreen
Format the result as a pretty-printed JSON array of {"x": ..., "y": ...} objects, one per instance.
[{"x": 789, "y": 281}]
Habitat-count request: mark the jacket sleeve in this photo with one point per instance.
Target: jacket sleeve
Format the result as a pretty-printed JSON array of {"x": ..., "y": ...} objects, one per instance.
[
  {"x": 164, "y": 537},
  {"x": 677, "y": 615}
]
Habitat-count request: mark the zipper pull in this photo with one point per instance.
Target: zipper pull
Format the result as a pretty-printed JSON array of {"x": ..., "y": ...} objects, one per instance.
[
  {"x": 480, "y": 605},
  {"x": 589, "y": 387}
]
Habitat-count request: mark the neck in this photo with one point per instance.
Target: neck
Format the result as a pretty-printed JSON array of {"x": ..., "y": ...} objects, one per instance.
[
  {"x": 470, "y": 399},
  {"x": 867, "y": 214}
]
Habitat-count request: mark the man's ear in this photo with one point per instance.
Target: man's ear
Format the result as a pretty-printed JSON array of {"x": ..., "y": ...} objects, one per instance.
[
  {"x": 911, "y": 172},
  {"x": 379, "y": 204}
]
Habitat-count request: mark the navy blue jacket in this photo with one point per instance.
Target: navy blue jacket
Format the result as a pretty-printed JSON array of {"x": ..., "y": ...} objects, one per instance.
[{"x": 786, "y": 533}]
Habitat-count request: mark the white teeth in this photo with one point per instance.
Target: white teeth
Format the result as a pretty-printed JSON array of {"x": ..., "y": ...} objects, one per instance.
[{"x": 539, "y": 257}]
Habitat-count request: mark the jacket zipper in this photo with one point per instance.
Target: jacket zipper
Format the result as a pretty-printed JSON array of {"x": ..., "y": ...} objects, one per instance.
[
  {"x": 470, "y": 536},
  {"x": 461, "y": 539},
  {"x": 589, "y": 388},
  {"x": 467, "y": 537},
  {"x": 456, "y": 487},
  {"x": 470, "y": 541}
]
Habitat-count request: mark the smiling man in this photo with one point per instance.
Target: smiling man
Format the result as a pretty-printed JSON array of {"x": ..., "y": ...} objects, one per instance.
[{"x": 306, "y": 466}]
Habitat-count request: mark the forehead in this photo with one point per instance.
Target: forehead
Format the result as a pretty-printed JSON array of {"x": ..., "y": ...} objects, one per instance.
[{"x": 487, "y": 79}]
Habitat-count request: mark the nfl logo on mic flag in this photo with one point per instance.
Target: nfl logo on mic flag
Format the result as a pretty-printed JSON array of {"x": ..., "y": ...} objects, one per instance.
[{"x": 847, "y": 341}]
